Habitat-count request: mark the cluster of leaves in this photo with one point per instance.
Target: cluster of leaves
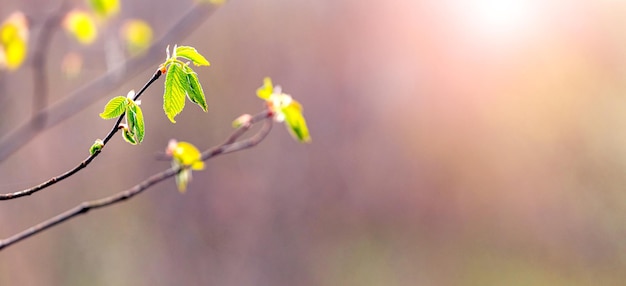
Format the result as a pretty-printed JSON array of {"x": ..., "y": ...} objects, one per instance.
[
  {"x": 285, "y": 109},
  {"x": 181, "y": 81},
  {"x": 134, "y": 129}
]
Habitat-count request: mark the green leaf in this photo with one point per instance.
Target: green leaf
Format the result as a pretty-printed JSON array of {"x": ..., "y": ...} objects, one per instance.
[
  {"x": 96, "y": 147},
  {"x": 129, "y": 136},
  {"x": 136, "y": 122},
  {"x": 194, "y": 89},
  {"x": 175, "y": 91},
  {"x": 296, "y": 124},
  {"x": 114, "y": 108},
  {"x": 192, "y": 55}
]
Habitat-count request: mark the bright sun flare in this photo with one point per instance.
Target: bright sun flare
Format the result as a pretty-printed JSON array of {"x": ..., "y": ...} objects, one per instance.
[{"x": 501, "y": 18}]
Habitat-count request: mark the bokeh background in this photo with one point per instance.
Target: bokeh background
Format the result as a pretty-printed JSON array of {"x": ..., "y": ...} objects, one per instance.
[{"x": 477, "y": 142}]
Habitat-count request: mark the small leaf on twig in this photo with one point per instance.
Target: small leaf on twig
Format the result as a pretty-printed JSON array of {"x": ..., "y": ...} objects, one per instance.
[
  {"x": 174, "y": 97},
  {"x": 194, "y": 89},
  {"x": 266, "y": 90},
  {"x": 296, "y": 124},
  {"x": 114, "y": 108},
  {"x": 285, "y": 108},
  {"x": 96, "y": 147},
  {"x": 135, "y": 121},
  {"x": 128, "y": 135},
  {"x": 192, "y": 55}
]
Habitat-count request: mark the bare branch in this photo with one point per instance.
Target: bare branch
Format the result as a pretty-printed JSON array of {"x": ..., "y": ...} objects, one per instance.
[
  {"x": 85, "y": 162},
  {"x": 154, "y": 179},
  {"x": 92, "y": 91}
]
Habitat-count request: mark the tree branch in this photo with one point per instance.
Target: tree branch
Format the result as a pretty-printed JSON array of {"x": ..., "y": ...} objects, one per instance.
[
  {"x": 92, "y": 91},
  {"x": 40, "y": 56},
  {"x": 85, "y": 162},
  {"x": 84, "y": 207}
]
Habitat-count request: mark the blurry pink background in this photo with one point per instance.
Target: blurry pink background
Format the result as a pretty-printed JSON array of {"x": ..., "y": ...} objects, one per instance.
[{"x": 472, "y": 142}]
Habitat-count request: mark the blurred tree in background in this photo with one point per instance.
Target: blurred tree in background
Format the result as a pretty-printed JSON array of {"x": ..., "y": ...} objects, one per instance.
[{"x": 456, "y": 143}]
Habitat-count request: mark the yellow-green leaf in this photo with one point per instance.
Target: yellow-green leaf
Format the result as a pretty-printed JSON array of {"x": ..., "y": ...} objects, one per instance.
[
  {"x": 191, "y": 54},
  {"x": 187, "y": 154},
  {"x": 135, "y": 121},
  {"x": 96, "y": 147},
  {"x": 138, "y": 35},
  {"x": 296, "y": 124},
  {"x": 105, "y": 8},
  {"x": 175, "y": 91},
  {"x": 13, "y": 41},
  {"x": 129, "y": 136},
  {"x": 81, "y": 25},
  {"x": 266, "y": 90},
  {"x": 114, "y": 108},
  {"x": 194, "y": 89}
]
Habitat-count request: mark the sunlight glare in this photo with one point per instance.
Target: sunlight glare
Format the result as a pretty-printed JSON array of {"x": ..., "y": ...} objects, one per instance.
[{"x": 501, "y": 18}]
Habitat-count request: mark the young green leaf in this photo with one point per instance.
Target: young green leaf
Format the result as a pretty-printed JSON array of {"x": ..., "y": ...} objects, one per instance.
[
  {"x": 194, "y": 89},
  {"x": 174, "y": 97},
  {"x": 129, "y": 136},
  {"x": 136, "y": 122},
  {"x": 296, "y": 124},
  {"x": 114, "y": 108},
  {"x": 96, "y": 147},
  {"x": 191, "y": 54}
]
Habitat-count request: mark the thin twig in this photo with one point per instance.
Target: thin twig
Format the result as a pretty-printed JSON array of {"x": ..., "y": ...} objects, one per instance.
[
  {"x": 84, "y": 207},
  {"x": 92, "y": 91},
  {"x": 85, "y": 162}
]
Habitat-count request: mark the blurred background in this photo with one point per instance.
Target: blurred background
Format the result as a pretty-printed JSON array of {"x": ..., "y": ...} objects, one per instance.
[{"x": 477, "y": 142}]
